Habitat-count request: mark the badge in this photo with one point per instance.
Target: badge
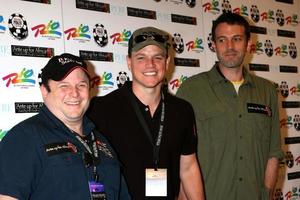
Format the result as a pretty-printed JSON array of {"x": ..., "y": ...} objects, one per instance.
[
  {"x": 97, "y": 190},
  {"x": 59, "y": 147},
  {"x": 257, "y": 108},
  {"x": 156, "y": 182}
]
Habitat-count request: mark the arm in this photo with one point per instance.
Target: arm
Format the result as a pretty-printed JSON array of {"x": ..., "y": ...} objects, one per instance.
[
  {"x": 181, "y": 195},
  {"x": 275, "y": 154},
  {"x": 4, "y": 197},
  {"x": 124, "y": 194},
  {"x": 271, "y": 175},
  {"x": 190, "y": 176}
]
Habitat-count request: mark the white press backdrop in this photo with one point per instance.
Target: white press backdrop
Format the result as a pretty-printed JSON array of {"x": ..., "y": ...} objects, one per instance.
[{"x": 32, "y": 31}]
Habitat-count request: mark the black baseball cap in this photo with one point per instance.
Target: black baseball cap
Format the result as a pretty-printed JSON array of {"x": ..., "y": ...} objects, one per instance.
[{"x": 60, "y": 66}]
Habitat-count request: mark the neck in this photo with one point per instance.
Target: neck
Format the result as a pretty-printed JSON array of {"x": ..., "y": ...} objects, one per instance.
[
  {"x": 148, "y": 96},
  {"x": 232, "y": 74},
  {"x": 76, "y": 127}
]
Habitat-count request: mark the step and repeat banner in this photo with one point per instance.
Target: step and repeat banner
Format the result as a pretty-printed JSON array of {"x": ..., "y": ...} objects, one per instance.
[{"x": 32, "y": 31}]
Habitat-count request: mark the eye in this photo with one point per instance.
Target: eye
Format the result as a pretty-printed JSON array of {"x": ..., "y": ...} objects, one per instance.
[
  {"x": 63, "y": 86},
  {"x": 159, "y": 57},
  {"x": 221, "y": 40},
  {"x": 237, "y": 39},
  {"x": 83, "y": 85},
  {"x": 140, "y": 57}
]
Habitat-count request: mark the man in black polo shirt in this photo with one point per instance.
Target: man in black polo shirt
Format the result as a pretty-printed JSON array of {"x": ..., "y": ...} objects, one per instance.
[{"x": 152, "y": 131}]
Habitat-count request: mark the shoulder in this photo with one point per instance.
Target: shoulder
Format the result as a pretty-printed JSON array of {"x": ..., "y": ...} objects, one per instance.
[
  {"x": 195, "y": 79},
  {"x": 111, "y": 98},
  {"x": 262, "y": 83},
  {"x": 28, "y": 125},
  {"x": 193, "y": 82},
  {"x": 178, "y": 103},
  {"x": 24, "y": 134}
]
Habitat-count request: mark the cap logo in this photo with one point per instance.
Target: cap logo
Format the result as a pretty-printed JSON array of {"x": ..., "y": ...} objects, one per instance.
[{"x": 64, "y": 61}]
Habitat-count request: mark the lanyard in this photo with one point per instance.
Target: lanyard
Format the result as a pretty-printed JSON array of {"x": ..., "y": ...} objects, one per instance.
[
  {"x": 94, "y": 153},
  {"x": 155, "y": 145}
]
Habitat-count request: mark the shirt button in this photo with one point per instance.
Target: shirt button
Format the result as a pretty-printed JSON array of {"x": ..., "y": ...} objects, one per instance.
[
  {"x": 241, "y": 157},
  {"x": 241, "y": 137},
  {"x": 240, "y": 116},
  {"x": 240, "y": 179},
  {"x": 146, "y": 109}
]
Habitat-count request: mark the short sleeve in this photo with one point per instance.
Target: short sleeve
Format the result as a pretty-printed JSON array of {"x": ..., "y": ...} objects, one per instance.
[
  {"x": 190, "y": 134},
  {"x": 18, "y": 163}
]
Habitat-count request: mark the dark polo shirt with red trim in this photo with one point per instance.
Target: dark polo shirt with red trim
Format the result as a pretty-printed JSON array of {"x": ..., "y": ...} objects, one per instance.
[{"x": 41, "y": 159}]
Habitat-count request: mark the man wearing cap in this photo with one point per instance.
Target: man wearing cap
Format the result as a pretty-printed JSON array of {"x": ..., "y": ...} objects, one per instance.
[
  {"x": 57, "y": 154},
  {"x": 152, "y": 131}
]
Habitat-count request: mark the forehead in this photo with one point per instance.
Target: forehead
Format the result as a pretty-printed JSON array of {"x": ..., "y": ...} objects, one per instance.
[
  {"x": 75, "y": 74},
  {"x": 152, "y": 48},
  {"x": 224, "y": 29}
]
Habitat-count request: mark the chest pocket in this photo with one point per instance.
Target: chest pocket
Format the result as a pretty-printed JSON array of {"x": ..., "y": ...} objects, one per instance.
[
  {"x": 260, "y": 125},
  {"x": 65, "y": 159},
  {"x": 259, "y": 121},
  {"x": 66, "y": 170},
  {"x": 211, "y": 123}
]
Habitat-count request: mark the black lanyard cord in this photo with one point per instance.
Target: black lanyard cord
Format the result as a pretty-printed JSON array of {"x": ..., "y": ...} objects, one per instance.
[
  {"x": 155, "y": 145},
  {"x": 94, "y": 153}
]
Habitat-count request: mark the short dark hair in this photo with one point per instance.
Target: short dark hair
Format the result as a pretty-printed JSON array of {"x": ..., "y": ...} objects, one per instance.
[{"x": 231, "y": 19}]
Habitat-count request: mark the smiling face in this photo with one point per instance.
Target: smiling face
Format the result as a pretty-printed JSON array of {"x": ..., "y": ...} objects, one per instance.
[
  {"x": 68, "y": 99},
  {"x": 148, "y": 67},
  {"x": 231, "y": 45}
]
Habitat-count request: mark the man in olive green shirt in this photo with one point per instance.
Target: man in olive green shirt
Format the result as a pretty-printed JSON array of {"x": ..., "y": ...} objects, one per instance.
[{"x": 237, "y": 119}]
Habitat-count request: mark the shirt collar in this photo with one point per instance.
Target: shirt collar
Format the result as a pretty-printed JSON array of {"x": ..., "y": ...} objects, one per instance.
[
  {"x": 53, "y": 121},
  {"x": 217, "y": 77}
]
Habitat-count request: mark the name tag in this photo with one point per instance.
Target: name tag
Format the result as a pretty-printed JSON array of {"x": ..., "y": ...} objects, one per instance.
[
  {"x": 257, "y": 108},
  {"x": 97, "y": 190},
  {"x": 156, "y": 182}
]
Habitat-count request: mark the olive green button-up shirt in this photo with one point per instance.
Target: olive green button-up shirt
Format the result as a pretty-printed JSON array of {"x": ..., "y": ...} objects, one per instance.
[{"x": 237, "y": 133}]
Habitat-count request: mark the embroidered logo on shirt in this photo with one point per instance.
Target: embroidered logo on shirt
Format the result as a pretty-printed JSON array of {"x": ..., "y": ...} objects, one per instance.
[
  {"x": 104, "y": 149},
  {"x": 60, "y": 147},
  {"x": 257, "y": 108}
]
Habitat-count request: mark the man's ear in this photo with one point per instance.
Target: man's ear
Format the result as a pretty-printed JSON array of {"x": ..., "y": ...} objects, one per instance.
[
  {"x": 168, "y": 62},
  {"x": 213, "y": 45},
  {"x": 44, "y": 91},
  {"x": 128, "y": 60},
  {"x": 249, "y": 43}
]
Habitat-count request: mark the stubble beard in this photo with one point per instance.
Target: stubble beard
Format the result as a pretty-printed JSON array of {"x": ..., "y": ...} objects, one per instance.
[{"x": 232, "y": 63}]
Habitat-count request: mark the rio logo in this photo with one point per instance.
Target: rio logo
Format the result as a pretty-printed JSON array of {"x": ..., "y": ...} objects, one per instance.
[
  {"x": 281, "y": 51},
  {"x": 80, "y": 32},
  {"x": 286, "y": 122},
  {"x": 105, "y": 79},
  {"x": 22, "y": 77},
  {"x": 2, "y": 134},
  {"x": 292, "y": 195},
  {"x": 293, "y": 20},
  {"x": 121, "y": 37},
  {"x": 243, "y": 10},
  {"x": 197, "y": 44},
  {"x": 177, "y": 82},
  {"x": 295, "y": 90},
  {"x": 2, "y": 28},
  {"x": 256, "y": 48},
  {"x": 212, "y": 7},
  {"x": 49, "y": 29},
  {"x": 268, "y": 16}
]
